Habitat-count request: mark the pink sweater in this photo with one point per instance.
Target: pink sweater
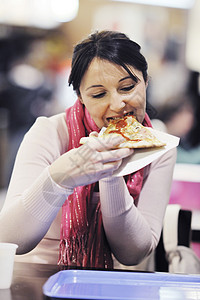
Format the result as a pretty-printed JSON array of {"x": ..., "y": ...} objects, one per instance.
[{"x": 32, "y": 211}]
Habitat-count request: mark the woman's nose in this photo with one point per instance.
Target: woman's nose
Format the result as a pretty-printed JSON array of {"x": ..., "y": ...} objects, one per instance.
[{"x": 117, "y": 103}]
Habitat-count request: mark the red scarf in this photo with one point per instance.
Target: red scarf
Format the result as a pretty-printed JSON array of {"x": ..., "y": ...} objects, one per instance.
[{"x": 83, "y": 241}]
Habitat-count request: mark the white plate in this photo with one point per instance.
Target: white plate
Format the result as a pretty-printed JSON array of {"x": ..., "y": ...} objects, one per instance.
[{"x": 143, "y": 157}]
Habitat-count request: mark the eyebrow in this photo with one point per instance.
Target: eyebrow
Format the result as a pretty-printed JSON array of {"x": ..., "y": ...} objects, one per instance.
[
  {"x": 127, "y": 77},
  {"x": 93, "y": 86},
  {"x": 132, "y": 77}
]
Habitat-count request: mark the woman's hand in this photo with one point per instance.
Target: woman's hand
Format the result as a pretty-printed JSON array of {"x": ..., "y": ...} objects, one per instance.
[{"x": 89, "y": 163}]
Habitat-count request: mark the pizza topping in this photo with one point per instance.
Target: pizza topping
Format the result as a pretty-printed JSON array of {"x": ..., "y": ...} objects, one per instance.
[{"x": 120, "y": 124}]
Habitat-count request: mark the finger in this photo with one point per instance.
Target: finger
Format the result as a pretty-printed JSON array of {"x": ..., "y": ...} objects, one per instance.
[
  {"x": 96, "y": 169},
  {"x": 109, "y": 168},
  {"x": 86, "y": 139},
  {"x": 105, "y": 143},
  {"x": 115, "y": 155},
  {"x": 93, "y": 133},
  {"x": 112, "y": 166},
  {"x": 102, "y": 143},
  {"x": 103, "y": 170},
  {"x": 111, "y": 155}
]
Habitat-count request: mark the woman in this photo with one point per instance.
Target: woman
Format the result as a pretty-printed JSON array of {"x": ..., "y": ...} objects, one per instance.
[{"x": 56, "y": 181}]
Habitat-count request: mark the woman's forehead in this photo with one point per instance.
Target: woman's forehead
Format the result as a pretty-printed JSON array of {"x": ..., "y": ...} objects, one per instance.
[{"x": 102, "y": 67}]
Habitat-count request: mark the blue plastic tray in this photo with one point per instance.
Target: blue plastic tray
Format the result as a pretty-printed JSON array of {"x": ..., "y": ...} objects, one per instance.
[{"x": 90, "y": 284}]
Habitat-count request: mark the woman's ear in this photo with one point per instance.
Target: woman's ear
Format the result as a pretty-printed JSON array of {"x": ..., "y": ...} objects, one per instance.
[
  {"x": 147, "y": 82},
  {"x": 80, "y": 98}
]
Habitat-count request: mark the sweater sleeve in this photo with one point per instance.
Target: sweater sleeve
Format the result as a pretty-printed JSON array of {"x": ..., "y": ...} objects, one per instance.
[
  {"x": 33, "y": 198},
  {"x": 133, "y": 232}
]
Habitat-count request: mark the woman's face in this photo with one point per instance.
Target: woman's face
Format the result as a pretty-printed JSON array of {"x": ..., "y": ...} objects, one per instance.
[{"x": 108, "y": 91}]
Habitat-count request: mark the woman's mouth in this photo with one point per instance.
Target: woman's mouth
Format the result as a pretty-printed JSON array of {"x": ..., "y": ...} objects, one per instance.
[{"x": 120, "y": 116}]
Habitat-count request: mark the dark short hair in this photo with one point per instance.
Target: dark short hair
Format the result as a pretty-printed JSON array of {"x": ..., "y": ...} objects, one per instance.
[{"x": 113, "y": 46}]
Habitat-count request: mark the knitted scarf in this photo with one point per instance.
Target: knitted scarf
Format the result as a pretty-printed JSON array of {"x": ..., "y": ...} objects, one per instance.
[{"x": 83, "y": 241}]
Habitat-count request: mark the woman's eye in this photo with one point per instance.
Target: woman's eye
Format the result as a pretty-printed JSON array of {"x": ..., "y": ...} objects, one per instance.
[
  {"x": 100, "y": 95},
  {"x": 128, "y": 88}
]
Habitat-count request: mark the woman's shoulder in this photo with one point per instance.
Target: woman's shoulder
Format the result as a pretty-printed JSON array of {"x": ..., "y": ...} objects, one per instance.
[
  {"x": 50, "y": 129},
  {"x": 56, "y": 122}
]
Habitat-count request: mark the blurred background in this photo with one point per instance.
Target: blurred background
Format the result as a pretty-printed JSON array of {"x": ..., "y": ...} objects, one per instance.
[{"x": 36, "y": 42}]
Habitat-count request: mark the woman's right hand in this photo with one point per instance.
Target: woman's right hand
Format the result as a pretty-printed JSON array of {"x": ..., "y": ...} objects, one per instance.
[{"x": 89, "y": 163}]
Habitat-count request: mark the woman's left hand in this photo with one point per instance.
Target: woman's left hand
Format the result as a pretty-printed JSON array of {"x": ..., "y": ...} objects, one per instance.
[{"x": 89, "y": 163}]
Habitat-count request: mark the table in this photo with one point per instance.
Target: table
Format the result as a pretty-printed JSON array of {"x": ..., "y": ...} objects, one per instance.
[{"x": 28, "y": 279}]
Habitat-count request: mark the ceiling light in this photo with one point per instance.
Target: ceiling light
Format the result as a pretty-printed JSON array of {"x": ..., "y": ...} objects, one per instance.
[
  {"x": 64, "y": 10},
  {"x": 184, "y": 4},
  {"x": 45, "y": 14}
]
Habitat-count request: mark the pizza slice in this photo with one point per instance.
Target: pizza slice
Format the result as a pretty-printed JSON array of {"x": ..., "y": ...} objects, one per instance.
[{"x": 136, "y": 135}]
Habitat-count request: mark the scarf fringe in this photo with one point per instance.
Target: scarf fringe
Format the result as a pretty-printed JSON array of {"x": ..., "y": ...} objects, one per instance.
[{"x": 73, "y": 251}]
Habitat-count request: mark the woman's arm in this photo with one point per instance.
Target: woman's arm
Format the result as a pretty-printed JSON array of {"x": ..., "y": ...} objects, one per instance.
[
  {"x": 133, "y": 232},
  {"x": 45, "y": 175},
  {"x": 34, "y": 199}
]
